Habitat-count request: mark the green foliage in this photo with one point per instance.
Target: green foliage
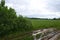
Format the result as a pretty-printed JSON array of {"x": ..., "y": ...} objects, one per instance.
[
  {"x": 10, "y": 22},
  {"x": 54, "y": 18},
  {"x": 2, "y": 3}
]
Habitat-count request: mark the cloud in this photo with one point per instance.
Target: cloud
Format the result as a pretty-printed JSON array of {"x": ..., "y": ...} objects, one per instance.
[
  {"x": 54, "y": 5},
  {"x": 36, "y": 8}
]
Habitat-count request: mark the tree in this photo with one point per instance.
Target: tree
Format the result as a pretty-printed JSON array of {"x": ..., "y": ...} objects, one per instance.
[
  {"x": 2, "y": 3},
  {"x": 54, "y": 18},
  {"x": 10, "y": 22},
  {"x": 7, "y": 19}
]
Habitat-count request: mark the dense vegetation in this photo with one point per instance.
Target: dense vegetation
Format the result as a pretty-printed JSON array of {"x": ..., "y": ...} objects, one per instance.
[{"x": 10, "y": 22}]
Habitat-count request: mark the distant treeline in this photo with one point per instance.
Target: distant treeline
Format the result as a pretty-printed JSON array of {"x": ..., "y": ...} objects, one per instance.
[{"x": 46, "y": 18}]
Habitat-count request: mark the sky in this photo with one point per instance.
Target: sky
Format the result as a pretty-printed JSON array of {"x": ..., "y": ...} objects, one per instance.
[{"x": 36, "y": 8}]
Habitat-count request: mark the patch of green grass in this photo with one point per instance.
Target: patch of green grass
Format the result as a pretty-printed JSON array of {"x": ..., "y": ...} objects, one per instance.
[
  {"x": 40, "y": 24},
  {"x": 18, "y": 36}
]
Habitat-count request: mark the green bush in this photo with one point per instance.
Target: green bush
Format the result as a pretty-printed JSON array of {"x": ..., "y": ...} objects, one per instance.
[{"x": 10, "y": 22}]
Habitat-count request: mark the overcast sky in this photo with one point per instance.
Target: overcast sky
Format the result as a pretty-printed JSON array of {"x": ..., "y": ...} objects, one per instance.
[{"x": 36, "y": 8}]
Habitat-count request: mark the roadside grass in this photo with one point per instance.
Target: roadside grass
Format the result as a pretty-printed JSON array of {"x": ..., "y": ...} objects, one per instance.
[{"x": 18, "y": 36}]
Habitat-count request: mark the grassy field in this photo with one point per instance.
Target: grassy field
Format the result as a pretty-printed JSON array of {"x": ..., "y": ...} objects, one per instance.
[
  {"x": 37, "y": 24},
  {"x": 40, "y": 24}
]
